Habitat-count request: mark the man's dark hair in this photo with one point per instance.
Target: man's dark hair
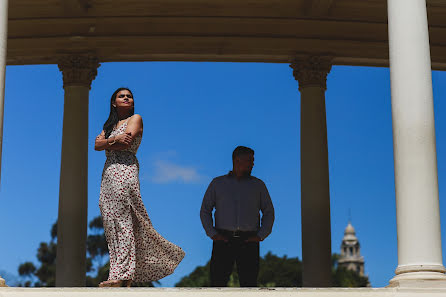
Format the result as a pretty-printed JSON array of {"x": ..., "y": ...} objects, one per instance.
[{"x": 240, "y": 151}]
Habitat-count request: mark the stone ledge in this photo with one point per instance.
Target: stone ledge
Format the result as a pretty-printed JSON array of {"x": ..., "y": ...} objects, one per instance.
[{"x": 226, "y": 292}]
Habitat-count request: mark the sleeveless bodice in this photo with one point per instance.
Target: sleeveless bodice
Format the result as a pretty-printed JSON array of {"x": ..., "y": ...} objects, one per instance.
[{"x": 133, "y": 148}]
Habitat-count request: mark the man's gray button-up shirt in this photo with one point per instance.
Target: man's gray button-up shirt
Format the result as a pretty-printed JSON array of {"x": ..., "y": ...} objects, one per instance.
[{"x": 237, "y": 203}]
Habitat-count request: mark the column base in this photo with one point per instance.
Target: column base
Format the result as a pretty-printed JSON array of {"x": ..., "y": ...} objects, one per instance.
[{"x": 419, "y": 276}]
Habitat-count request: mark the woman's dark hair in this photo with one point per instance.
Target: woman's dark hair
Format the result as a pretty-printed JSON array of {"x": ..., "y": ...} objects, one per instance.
[{"x": 113, "y": 118}]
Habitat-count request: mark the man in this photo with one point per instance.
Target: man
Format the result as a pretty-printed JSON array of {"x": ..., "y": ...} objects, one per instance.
[{"x": 237, "y": 198}]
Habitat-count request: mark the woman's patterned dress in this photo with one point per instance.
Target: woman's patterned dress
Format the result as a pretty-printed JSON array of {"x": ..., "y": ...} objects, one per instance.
[{"x": 137, "y": 251}]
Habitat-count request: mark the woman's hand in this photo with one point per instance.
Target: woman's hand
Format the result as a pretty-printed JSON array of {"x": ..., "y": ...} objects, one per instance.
[{"x": 124, "y": 139}]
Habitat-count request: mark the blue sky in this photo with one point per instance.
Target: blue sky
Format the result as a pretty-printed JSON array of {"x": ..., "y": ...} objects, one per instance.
[{"x": 194, "y": 115}]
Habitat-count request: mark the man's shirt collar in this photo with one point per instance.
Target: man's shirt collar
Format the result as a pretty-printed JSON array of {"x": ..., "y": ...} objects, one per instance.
[{"x": 232, "y": 175}]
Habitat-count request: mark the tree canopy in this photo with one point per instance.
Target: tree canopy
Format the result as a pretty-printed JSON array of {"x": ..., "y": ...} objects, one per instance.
[
  {"x": 277, "y": 271},
  {"x": 274, "y": 271},
  {"x": 97, "y": 253}
]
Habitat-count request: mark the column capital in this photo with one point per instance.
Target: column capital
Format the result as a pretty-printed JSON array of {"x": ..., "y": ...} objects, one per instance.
[
  {"x": 311, "y": 70},
  {"x": 78, "y": 70}
]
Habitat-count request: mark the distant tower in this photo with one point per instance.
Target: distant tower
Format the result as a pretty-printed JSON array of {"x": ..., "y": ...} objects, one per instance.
[{"x": 350, "y": 256}]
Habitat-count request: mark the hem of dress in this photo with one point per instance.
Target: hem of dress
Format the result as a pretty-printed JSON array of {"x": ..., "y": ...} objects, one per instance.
[{"x": 163, "y": 275}]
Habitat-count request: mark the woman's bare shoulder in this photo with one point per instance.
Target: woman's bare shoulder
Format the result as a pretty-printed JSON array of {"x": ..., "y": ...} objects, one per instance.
[{"x": 136, "y": 118}]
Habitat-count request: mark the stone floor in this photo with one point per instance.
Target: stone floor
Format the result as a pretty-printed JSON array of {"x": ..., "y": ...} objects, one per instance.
[{"x": 225, "y": 292}]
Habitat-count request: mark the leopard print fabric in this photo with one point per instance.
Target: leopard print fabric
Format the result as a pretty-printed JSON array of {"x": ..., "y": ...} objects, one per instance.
[{"x": 137, "y": 251}]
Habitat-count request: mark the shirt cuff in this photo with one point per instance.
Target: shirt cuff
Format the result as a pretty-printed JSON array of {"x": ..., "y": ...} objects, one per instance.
[{"x": 212, "y": 232}]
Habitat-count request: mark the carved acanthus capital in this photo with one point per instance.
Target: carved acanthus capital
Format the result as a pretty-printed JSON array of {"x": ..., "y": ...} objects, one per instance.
[
  {"x": 78, "y": 70},
  {"x": 311, "y": 71}
]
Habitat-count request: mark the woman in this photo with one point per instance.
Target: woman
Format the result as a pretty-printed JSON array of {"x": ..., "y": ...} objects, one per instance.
[{"x": 137, "y": 251}]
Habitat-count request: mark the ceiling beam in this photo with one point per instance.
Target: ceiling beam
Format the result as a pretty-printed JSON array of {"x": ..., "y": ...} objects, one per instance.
[
  {"x": 75, "y": 7},
  {"x": 318, "y": 7}
]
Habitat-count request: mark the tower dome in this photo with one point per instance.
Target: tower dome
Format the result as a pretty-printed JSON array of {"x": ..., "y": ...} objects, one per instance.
[
  {"x": 350, "y": 233},
  {"x": 350, "y": 257},
  {"x": 349, "y": 229}
]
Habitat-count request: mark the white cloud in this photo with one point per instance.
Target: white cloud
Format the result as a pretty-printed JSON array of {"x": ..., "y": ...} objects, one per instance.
[{"x": 167, "y": 172}]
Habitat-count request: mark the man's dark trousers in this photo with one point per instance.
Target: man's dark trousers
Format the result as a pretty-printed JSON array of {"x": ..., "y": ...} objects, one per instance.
[{"x": 244, "y": 254}]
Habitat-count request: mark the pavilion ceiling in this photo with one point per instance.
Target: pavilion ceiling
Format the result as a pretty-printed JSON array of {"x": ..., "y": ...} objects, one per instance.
[{"x": 353, "y": 32}]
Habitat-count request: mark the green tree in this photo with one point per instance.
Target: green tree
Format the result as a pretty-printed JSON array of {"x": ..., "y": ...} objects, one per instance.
[
  {"x": 276, "y": 271},
  {"x": 44, "y": 276},
  {"x": 97, "y": 252},
  {"x": 343, "y": 277},
  {"x": 27, "y": 270}
]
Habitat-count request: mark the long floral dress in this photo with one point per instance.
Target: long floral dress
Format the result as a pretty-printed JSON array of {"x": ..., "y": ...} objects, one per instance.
[{"x": 137, "y": 251}]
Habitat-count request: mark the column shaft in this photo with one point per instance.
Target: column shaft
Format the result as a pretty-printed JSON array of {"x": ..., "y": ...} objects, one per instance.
[
  {"x": 3, "y": 48},
  {"x": 311, "y": 74},
  {"x": 315, "y": 196},
  {"x": 78, "y": 72},
  {"x": 72, "y": 219},
  {"x": 3, "y": 51},
  {"x": 416, "y": 184}
]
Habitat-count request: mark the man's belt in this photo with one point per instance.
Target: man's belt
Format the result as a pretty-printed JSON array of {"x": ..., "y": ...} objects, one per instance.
[{"x": 237, "y": 233}]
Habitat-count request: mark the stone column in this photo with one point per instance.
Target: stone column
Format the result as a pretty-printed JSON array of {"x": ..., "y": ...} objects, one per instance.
[
  {"x": 78, "y": 73},
  {"x": 416, "y": 184},
  {"x": 311, "y": 73},
  {"x": 3, "y": 42}
]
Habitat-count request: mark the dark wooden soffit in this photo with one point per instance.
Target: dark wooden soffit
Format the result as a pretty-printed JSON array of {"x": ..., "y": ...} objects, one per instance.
[
  {"x": 318, "y": 8},
  {"x": 353, "y": 32},
  {"x": 73, "y": 8}
]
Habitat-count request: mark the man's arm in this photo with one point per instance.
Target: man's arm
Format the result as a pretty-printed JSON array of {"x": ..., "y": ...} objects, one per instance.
[
  {"x": 267, "y": 208},
  {"x": 207, "y": 207}
]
